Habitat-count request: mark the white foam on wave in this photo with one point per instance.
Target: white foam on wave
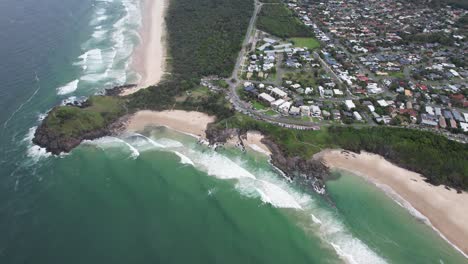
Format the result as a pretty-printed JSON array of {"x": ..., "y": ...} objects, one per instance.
[
  {"x": 152, "y": 142},
  {"x": 110, "y": 142},
  {"x": 107, "y": 53},
  {"x": 68, "y": 88},
  {"x": 220, "y": 166},
  {"x": 279, "y": 193},
  {"x": 169, "y": 143},
  {"x": 273, "y": 189},
  {"x": 276, "y": 196},
  {"x": 315, "y": 219},
  {"x": 414, "y": 212},
  {"x": 34, "y": 152},
  {"x": 184, "y": 159},
  {"x": 348, "y": 247}
]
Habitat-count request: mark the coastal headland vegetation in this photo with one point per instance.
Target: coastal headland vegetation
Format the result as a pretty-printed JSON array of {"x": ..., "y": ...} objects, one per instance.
[
  {"x": 440, "y": 160},
  {"x": 204, "y": 38}
]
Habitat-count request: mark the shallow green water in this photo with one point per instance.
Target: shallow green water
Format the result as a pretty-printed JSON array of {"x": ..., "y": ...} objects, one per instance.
[{"x": 383, "y": 224}]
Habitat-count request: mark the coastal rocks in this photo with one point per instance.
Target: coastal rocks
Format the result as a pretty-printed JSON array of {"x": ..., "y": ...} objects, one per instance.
[
  {"x": 119, "y": 89},
  {"x": 215, "y": 135},
  {"x": 311, "y": 171},
  {"x": 57, "y": 143}
]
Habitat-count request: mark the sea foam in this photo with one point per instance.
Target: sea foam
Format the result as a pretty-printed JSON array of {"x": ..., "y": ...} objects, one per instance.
[{"x": 68, "y": 88}]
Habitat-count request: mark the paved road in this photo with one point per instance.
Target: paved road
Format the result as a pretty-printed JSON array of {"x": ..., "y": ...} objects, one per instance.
[{"x": 234, "y": 81}]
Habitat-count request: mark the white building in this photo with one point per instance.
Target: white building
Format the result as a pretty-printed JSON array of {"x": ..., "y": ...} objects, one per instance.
[
  {"x": 464, "y": 126},
  {"x": 315, "y": 111},
  {"x": 337, "y": 92},
  {"x": 305, "y": 110},
  {"x": 294, "y": 110},
  {"x": 278, "y": 93},
  {"x": 284, "y": 108},
  {"x": 266, "y": 97},
  {"x": 357, "y": 116},
  {"x": 382, "y": 103},
  {"x": 349, "y": 104},
  {"x": 277, "y": 103},
  {"x": 430, "y": 110}
]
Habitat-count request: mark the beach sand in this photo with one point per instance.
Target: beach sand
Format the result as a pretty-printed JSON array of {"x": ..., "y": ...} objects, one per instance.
[
  {"x": 251, "y": 140},
  {"x": 149, "y": 57},
  {"x": 254, "y": 141},
  {"x": 446, "y": 210},
  {"x": 194, "y": 123}
]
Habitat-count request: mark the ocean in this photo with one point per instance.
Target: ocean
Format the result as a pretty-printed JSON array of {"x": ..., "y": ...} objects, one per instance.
[{"x": 159, "y": 196}]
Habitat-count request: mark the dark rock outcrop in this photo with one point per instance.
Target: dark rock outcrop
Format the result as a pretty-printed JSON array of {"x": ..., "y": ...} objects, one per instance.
[
  {"x": 57, "y": 143},
  {"x": 311, "y": 172},
  {"x": 116, "y": 91}
]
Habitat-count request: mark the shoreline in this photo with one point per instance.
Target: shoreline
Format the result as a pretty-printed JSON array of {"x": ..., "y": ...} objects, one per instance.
[
  {"x": 192, "y": 123},
  {"x": 188, "y": 122},
  {"x": 149, "y": 57},
  {"x": 444, "y": 210}
]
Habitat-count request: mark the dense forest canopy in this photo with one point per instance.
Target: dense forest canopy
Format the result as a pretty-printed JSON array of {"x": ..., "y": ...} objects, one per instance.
[
  {"x": 280, "y": 21},
  {"x": 204, "y": 38}
]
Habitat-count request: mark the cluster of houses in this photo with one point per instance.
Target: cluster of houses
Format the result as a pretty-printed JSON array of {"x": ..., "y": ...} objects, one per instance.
[
  {"x": 300, "y": 57},
  {"x": 371, "y": 53},
  {"x": 387, "y": 36},
  {"x": 444, "y": 118}
]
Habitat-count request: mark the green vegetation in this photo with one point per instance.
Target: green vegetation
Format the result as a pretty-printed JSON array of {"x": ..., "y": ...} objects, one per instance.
[
  {"x": 221, "y": 83},
  {"x": 258, "y": 106},
  {"x": 437, "y": 37},
  {"x": 271, "y": 113},
  {"x": 99, "y": 112},
  {"x": 439, "y": 159},
  {"x": 399, "y": 75},
  {"x": 204, "y": 39},
  {"x": 310, "y": 43},
  {"x": 205, "y": 36},
  {"x": 280, "y": 21},
  {"x": 304, "y": 78}
]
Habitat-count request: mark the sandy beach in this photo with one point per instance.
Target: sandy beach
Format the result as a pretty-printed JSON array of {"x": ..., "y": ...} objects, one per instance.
[
  {"x": 251, "y": 140},
  {"x": 192, "y": 122},
  {"x": 446, "y": 210},
  {"x": 149, "y": 57}
]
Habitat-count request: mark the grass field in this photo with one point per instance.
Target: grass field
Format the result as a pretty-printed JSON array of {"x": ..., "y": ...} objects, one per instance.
[
  {"x": 271, "y": 113},
  {"x": 310, "y": 43},
  {"x": 399, "y": 75},
  {"x": 258, "y": 106},
  {"x": 304, "y": 78},
  {"x": 72, "y": 120}
]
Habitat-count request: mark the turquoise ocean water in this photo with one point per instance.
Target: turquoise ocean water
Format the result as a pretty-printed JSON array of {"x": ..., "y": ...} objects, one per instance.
[{"x": 158, "y": 196}]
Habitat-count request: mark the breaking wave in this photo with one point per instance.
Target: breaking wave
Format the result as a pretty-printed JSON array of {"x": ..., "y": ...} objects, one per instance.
[
  {"x": 260, "y": 183},
  {"x": 106, "y": 54},
  {"x": 68, "y": 88}
]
